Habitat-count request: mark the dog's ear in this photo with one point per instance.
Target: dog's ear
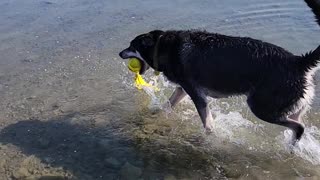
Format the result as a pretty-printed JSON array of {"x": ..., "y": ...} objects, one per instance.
[
  {"x": 156, "y": 33},
  {"x": 147, "y": 41},
  {"x": 150, "y": 38}
]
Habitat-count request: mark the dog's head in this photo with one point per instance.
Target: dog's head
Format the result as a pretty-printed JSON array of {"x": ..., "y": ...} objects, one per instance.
[{"x": 143, "y": 47}]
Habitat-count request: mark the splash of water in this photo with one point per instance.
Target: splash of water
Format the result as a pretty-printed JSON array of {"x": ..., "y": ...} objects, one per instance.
[
  {"x": 233, "y": 127},
  {"x": 308, "y": 147}
]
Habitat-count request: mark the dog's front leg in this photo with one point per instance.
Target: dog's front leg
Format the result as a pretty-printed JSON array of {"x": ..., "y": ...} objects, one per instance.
[
  {"x": 177, "y": 96},
  {"x": 200, "y": 100}
]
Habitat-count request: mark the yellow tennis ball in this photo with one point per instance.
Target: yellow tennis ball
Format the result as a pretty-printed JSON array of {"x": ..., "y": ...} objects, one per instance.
[{"x": 134, "y": 64}]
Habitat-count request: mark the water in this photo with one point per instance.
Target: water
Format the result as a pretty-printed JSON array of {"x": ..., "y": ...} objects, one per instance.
[{"x": 69, "y": 109}]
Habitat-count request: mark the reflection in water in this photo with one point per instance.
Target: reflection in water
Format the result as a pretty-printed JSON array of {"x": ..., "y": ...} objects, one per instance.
[{"x": 69, "y": 109}]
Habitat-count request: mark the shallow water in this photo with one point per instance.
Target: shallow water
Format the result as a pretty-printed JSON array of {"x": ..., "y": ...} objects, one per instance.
[{"x": 69, "y": 109}]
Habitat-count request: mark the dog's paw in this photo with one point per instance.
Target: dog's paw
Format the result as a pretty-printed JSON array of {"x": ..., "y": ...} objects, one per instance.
[
  {"x": 208, "y": 129},
  {"x": 165, "y": 108},
  {"x": 155, "y": 110}
]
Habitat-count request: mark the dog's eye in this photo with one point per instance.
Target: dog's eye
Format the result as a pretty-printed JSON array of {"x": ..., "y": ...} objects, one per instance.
[
  {"x": 131, "y": 48},
  {"x": 147, "y": 42}
]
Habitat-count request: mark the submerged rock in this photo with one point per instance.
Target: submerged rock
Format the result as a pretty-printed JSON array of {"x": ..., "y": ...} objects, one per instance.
[
  {"x": 130, "y": 172},
  {"x": 104, "y": 143},
  {"x": 43, "y": 143},
  {"x": 113, "y": 163}
]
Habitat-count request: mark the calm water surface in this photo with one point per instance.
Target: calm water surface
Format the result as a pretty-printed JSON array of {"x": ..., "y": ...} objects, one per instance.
[{"x": 68, "y": 107}]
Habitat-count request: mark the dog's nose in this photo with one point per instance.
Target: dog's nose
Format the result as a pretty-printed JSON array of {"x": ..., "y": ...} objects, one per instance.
[
  {"x": 124, "y": 54},
  {"x": 120, "y": 54}
]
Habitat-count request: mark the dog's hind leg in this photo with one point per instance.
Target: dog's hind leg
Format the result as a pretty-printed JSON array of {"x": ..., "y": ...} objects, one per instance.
[
  {"x": 295, "y": 126},
  {"x": 266, "y": 113},
  {"x": 297, "y": 116}
]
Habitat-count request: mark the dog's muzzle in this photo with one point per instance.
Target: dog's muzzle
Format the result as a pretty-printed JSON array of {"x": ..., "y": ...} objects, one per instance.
[{"x": 127, "y": 53}]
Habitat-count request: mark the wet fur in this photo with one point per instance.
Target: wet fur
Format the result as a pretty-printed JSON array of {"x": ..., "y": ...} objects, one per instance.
[{"x": 279, "y": 85}]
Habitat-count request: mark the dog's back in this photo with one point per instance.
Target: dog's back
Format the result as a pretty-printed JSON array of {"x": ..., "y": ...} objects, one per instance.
[{"x": 231, "y": 65}]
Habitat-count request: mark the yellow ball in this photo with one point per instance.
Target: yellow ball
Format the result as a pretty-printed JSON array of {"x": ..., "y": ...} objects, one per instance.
[{"x": 134, "y": 65}]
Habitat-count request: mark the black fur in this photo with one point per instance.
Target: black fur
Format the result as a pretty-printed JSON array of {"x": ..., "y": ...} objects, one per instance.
[
  {"x": 310, "y": 60},
  {"x": 315, "y": 7},
  {"x": 204, "y": 63}
]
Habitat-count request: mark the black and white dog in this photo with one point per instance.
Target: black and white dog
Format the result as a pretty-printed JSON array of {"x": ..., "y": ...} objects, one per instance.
[{"x": 278, "y": 84}]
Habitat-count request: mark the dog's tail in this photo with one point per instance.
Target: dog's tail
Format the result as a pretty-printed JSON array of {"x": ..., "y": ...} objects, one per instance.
[
  {"x": 311, "y": 59},
  {"x": 315, "y": 7}
]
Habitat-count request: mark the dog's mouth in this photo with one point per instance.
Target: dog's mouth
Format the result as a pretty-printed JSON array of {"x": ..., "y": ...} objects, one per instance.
[
  {"x": 144, "y": 65},
  {"x": 127, "y": 54}
]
